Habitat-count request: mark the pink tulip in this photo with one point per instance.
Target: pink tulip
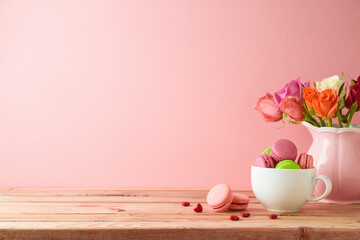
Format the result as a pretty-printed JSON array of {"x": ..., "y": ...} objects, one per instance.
[
  {"x": 293, "y": 88},
  {"x": 268, "y": 108},
  {"x": 293, "y": 108}
]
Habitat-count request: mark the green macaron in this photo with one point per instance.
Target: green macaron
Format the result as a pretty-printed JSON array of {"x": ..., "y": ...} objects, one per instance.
[
  {"x": 287, "y": 164},
  {"x": 267, "y": 151}
]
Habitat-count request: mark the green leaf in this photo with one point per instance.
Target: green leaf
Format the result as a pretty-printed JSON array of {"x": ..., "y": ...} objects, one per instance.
[
  {"x": 352, "y": 82},
  {"x": 341, "y": 104},
  {"x": 351, "y": 111},
  {"x": 295, "y": 122},
  {"x": 286, "y": 116},
  {"x": 341, "y": 88},
  {"x": 353, "y": 107},
  {"x": 342, "y": 76}
]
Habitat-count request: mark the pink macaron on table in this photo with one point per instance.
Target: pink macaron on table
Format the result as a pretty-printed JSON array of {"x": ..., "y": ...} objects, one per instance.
[{"x": 221, "y": 198}]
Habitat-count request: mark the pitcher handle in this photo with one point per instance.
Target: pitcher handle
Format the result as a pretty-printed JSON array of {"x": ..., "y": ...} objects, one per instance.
[{"x": 328, "y": 188}]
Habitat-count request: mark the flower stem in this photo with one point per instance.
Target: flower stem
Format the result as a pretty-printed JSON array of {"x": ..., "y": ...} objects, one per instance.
[
  {"x": 347, "y": 115},
  {"x": 329, "y": 122},
  {"x": 350, "y": 118},
  {"x": 340, "y": 119},
  {"x": 313, "y": 122},
  {"x": 322, "y": 122}
]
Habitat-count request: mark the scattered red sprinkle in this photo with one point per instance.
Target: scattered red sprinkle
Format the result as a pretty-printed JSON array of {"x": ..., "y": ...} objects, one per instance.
[
  {"x": 245, "y": 214},
  {"x": 234, "y": 218},
  {"x": 198, "y": 208},
  {"x": 185, "y": 204},
  {"x": 273, "y": 216}
]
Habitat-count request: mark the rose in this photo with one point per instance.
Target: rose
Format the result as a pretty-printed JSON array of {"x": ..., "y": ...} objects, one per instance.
[
  {"x": 325, "y": 105},
  {"x": 293, "y": 108},
  {"x": 309, "y": 94},
  {"x": 354, "y": 95},
  {"x": 292, "y": 88},
  {"x": 333, "y": 82},
  {"x": 267, "y": 107}
]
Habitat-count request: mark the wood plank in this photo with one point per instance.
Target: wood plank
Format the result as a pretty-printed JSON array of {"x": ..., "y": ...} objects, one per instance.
[
  {"x": 125, "y": 230},
  {"x": 151, "y": 217},
  {"x": 166, "y": 207},
  {"x": 263, "y": 222}
]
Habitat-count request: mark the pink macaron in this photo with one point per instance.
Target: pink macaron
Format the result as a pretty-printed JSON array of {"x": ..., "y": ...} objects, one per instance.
[
  {"x": 305, "y": 161},
  {"x": 239, "y": 202},
  {"x": 264, "y": 160},
  {"x": 283, "y": 149},
  {"x": 220, "y": 197}
]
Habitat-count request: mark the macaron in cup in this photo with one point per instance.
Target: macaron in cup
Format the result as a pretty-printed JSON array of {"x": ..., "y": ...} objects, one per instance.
[
  {"x": 305, "y": 161},
  {"x": 264, "y": 160},
  {"x": 267, "y": 151},
  {"x": 283, "y": 149},
  {"x": 287, "y": 164}
]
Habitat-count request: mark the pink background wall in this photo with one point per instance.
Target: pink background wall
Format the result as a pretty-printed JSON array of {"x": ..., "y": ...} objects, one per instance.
[{"x": 156, "y": 93}]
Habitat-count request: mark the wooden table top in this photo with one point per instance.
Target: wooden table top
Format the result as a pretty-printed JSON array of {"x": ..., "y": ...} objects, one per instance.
[{"x": 157, "y": 214}]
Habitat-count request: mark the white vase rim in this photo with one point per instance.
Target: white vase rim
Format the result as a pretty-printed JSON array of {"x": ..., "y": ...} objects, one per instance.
[{"x": 352, "y": 128}]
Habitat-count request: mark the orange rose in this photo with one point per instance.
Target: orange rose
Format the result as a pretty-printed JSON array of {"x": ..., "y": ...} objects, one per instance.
[
  {"x": 309, "y": 94},
  {"x": 325, "y": 105}
]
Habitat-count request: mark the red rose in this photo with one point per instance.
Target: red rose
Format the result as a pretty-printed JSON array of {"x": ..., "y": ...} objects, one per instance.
[{"x": 354, "y": 95}]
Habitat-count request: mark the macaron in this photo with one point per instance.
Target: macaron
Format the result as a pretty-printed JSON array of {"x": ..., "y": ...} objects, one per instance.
[
  {"x": 267, "y": 151},
  {"x": 305, "y": 161},
  {"x": 283, "y": 149},
  {"x": 239, "y": 202},
  {"x": 220, "y": 197},
  {"x": 265, "y": 161},
  {"x": 287, "y": 164}
]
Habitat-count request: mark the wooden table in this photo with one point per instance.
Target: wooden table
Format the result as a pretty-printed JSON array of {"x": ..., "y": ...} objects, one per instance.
[{"x": 158, "y": 214}]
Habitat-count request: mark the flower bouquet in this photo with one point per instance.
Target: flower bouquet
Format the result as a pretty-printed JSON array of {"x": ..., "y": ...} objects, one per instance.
[
  {"x": 316, "y": 105},
  {"x": 335, "y": 148}
]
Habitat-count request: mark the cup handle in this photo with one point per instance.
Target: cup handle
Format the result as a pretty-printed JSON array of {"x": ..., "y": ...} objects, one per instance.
[{"x": 328, "y": 188}]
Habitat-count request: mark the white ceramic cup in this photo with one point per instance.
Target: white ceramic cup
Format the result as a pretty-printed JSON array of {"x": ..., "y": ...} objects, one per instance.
[{"x": 286, "y": 190}]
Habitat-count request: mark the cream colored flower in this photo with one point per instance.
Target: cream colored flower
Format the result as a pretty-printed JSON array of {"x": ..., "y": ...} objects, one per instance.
[{"x": 333, "y": 82}]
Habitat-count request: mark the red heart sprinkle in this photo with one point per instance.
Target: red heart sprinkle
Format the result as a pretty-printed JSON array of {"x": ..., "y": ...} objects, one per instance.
[
  {"x": 245, "y": 214},
  {"x": 198, "y": 208},
  {"x": 185, "y": 204},
  {"x": 273, "y": 216},
  {"x": 234, "y": 218}
]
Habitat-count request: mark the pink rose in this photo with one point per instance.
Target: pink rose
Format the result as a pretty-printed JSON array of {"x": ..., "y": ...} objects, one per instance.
[
  {"x": 293, "y": 108},
  {"x": 293, "y": 88},
  {"x": 268, "y": 108}
]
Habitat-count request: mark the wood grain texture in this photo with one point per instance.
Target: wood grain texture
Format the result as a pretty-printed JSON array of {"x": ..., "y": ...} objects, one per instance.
[{"x": 77, "y": 213}]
